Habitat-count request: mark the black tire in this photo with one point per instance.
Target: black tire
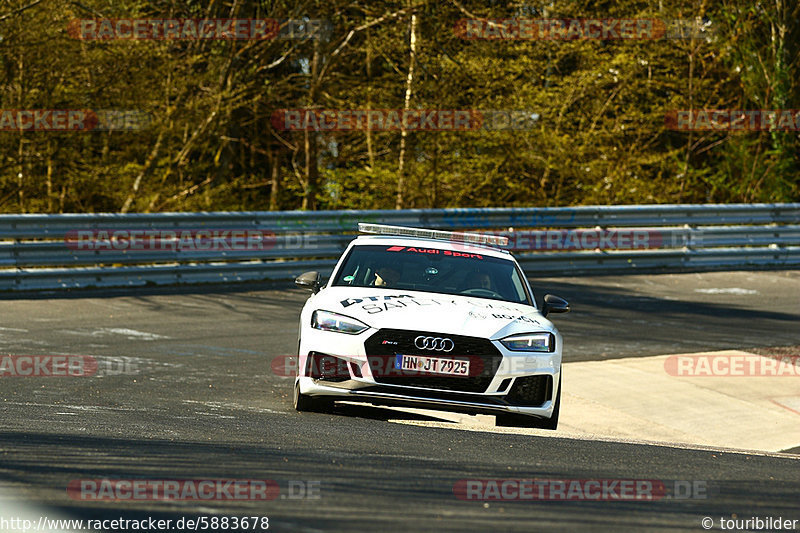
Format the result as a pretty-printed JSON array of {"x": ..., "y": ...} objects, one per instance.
[
  {"x": 524, "y": 421},
  {"x": 304, "y": 402}
]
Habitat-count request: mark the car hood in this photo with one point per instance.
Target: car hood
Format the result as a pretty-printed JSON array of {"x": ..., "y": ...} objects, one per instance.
[{"x": 425, "y": 311}]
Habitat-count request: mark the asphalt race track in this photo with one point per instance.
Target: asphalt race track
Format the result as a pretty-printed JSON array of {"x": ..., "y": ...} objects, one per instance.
[{"x": 185, "y": 390}]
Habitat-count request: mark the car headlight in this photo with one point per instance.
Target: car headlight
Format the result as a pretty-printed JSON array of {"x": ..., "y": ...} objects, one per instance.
[
  {"x": 530, "y": 342},
  {"x": 327, "y": 321}
]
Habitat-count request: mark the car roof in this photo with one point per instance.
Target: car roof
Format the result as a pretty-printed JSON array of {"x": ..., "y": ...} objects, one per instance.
[{"x": 421, "y": 242}]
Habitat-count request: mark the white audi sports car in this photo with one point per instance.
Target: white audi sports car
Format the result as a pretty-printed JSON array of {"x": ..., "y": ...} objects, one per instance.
[{"x": 430, "y": 319}]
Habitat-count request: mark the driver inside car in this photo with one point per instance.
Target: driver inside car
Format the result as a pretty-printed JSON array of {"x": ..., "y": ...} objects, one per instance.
[
  {"x": 478, "y": 280},
  {"x": 386, "y": 276}
]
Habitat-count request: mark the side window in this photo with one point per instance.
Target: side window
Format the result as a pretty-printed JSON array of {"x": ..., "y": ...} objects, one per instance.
[{"x": 518, "y": 288}]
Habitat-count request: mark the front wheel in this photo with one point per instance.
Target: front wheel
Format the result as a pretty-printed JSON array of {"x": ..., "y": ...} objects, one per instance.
[
  {"x": 524, "y": 421},
  {"x": 304, "y": 402}
]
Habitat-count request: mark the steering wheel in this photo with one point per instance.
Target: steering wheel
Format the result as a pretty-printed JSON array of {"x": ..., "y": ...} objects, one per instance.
[{"x": 482, "y": 292}]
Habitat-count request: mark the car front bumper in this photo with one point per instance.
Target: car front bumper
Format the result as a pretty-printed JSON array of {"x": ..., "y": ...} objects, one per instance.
[
  {"x": 364, "y": 391},
  {"x": 358, "y": 383}
]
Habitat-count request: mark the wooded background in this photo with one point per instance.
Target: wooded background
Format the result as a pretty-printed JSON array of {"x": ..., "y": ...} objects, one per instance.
[{"x": 600, "y": 138}]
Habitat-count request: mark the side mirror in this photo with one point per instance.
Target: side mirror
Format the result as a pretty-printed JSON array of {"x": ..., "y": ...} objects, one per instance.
[
  {"x": 554, "y": 304},
  {"x": 309, "y": 280}
]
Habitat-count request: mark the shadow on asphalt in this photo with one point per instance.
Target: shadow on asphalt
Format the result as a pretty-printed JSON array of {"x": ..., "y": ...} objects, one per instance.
[
  {"x": 402, "y": 485},
  {"x": 372, "y": 412}
]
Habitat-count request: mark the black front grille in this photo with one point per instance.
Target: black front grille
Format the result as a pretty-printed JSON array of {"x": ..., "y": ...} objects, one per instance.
[
  {"x": 383, "y": 346},
  {"x": 326, "y": 367},
  {"x": 530, "y": 391}
]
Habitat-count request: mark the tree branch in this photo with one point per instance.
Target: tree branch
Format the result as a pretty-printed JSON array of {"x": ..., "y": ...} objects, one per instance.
[{"x": 20, "y": 10}]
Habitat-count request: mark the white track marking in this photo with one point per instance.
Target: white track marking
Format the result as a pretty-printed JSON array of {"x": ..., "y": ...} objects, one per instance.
[{"x": 731, "y": 290}]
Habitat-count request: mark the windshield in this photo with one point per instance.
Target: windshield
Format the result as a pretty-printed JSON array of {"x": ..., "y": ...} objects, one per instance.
[{"x": 432, "y": 270}]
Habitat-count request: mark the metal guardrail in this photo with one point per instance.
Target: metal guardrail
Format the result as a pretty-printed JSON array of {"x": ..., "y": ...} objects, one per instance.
[{"x": 40, "y": 251}]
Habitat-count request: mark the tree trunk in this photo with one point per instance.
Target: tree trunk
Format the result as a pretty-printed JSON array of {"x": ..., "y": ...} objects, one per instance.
[
  {"x": 20, "y": 147},
  {"x": 138, "y": 181},
  {"x": 310, "y": 138},
  {"x": 49, "y": 176},
  {"x": 370, "y": 151},
  {"x": 412, "y": 52},
  {"x": 274, "y": 166}
]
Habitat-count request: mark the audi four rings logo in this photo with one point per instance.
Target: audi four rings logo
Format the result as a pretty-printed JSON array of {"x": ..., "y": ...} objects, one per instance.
[{"x": 434, "y": 343}]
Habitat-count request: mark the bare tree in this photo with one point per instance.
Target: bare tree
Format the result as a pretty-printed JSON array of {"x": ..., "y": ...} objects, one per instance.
[{"x": 412, "y": 59}]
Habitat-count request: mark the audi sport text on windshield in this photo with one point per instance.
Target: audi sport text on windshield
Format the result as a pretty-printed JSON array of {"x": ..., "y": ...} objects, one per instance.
[{"x": 467, "y": 273}]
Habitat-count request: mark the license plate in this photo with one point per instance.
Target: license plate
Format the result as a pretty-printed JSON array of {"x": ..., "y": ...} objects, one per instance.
[{"x": 432, "y": 365}]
